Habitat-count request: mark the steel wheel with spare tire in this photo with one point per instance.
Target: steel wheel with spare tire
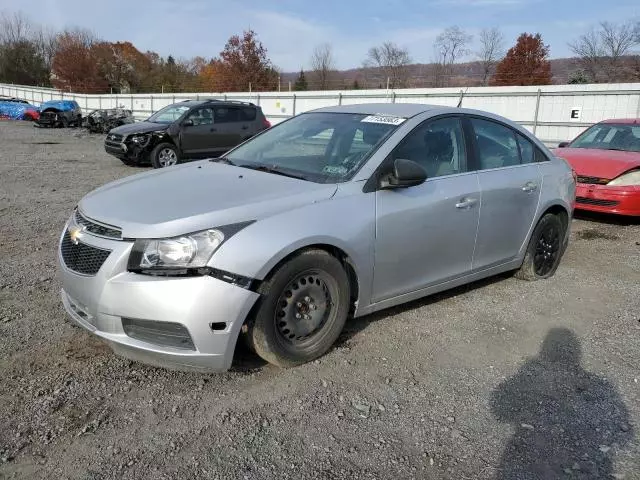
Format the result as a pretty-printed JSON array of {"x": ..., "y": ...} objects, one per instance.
[
  {"x": 545, "y": 249},
  {"x": 164, "y": 155},
  {"x": 303, "y": 308}
]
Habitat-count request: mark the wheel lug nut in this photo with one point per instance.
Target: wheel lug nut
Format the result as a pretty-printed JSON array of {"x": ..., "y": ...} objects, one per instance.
[
  {"x": 298, "y": 315},
  {"x": 307, "y": 317},
  {"x": 313, "y": 306},
  {"x": 307, "y": 299},
  {"x": 299, "y": 304}
]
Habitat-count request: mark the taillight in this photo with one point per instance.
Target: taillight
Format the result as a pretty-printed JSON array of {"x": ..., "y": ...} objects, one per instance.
[{"x": 266, "y": 123}]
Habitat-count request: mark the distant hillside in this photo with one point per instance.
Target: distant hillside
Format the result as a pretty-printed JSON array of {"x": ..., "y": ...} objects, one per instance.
[{"x": 422, "y": 75}]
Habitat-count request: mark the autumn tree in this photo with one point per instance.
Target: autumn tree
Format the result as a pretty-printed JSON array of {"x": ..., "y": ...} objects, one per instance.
[
  {"x": 244, "y": 63},
  {"x": 323, "y": 66},
  {"x": 121, "y": 64},
  {"x": 525, "y": 64},
  {"x": 490, "y": 52},
  {"x": 74, "y": 67},
  {"x": 392, "y": 61},
  {"x": 301, "y": 82}
]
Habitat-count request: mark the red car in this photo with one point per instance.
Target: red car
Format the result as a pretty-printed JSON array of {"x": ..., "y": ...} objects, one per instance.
[{"x": 606, "y": 159}]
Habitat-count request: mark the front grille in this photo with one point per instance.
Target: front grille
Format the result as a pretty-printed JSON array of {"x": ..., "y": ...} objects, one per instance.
[
  {"x": 592, "y": 180},
  {"x": 595, "y": 201},
  {"x": 96, "y": 228},
  {"x": 113, "y": 142},
  {"x": 82, "y": 258}
]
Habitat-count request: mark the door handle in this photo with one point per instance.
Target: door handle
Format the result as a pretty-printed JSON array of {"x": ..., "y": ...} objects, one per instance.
[
  {"x": 466, "y": 202},
  {"x": 244, "y": 127},
  {"x": 529, "y": 187}
]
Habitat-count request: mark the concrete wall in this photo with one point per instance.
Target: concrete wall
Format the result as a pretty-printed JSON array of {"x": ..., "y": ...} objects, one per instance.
[{"x": 554, "y": 113}]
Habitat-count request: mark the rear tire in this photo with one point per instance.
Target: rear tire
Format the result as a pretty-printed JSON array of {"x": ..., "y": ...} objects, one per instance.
[
  {"x": 164, "y": 155},
  {"x": 545, "y": 249},
  {"x": 302, "y": 310}
]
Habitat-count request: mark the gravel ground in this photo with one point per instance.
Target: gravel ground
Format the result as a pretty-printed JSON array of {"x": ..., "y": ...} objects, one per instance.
[{"x": 491, "y": 380}]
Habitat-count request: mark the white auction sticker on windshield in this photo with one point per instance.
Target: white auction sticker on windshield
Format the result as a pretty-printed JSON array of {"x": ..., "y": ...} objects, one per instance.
[{"x": 385, "y": 119}]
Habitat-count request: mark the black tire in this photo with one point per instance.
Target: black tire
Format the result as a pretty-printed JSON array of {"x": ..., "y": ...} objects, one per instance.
[
  {"x": 315, "y": 288},
  {"x": 545, "y": 249},
  {"x": 64, "y": 123},
  {"x": 160, "y": 149}
]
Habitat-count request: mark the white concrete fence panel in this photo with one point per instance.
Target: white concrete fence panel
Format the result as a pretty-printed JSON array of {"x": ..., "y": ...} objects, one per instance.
[{"x": 554, "y": 112}]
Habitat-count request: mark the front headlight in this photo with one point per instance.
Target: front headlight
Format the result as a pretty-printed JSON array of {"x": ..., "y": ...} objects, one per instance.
[
  {"x": 140, "y": 139},
  {"x": 626, "y": 179},
  {"x": 179, "y": 254}
]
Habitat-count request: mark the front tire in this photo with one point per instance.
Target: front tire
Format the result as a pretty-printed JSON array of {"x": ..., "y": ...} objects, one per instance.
[
  {"x": 303, "y": 309},
  {"x": 545, "y": 249},
  {"x": 164, "y": 155}
]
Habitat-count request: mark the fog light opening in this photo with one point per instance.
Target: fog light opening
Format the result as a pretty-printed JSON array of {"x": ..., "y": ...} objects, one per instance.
[
  {"x": 218, "y": 326},
  {"x": 167, "y": 334}
]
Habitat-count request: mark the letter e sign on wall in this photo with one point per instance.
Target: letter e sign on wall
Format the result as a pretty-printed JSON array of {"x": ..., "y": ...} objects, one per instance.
[{"x": 575, "y": 114}]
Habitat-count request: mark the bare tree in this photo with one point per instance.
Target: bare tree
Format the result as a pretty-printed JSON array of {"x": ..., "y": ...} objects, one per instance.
[
  {"x": 450, "y": 45},
  {"x": 490, "y": 52},
  {"x": 392, "y": 60},
  {"x": 14, "y": 28},
  {"x": 617, "y": 41},
  {"x": 588, "y": 50},
  {"x": 322, "y": 65},
  {"x": 601, "y": 52}
]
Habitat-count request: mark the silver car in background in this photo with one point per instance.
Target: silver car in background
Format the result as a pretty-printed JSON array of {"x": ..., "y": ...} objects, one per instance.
[{"x": 341, "y": 211}]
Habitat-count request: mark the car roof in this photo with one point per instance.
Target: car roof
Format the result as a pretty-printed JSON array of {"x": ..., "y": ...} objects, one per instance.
[
  {"x": 623, "y": 121},
  {"x": 396, "y": 109},
  {"x": 203, "y": 101}
]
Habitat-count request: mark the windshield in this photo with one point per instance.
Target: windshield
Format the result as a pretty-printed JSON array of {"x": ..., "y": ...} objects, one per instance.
[
  {"x": 319, "y": 147},
  {"x": 168, "y": 114},
  {"x": 610, "y": 136}
]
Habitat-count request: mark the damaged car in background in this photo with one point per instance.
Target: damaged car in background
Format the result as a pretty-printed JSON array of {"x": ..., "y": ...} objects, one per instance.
[
  {"x": 103, "y": 120},
  {"x": 186, "y": 130},
  {"x": 60, "y": 113},
  {"x": 17, "y": 109}
]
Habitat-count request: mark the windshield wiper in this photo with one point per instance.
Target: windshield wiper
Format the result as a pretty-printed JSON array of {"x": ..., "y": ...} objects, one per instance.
[
  {"x": 273, "y": 169},
  {"x": 224, "y": 160}
]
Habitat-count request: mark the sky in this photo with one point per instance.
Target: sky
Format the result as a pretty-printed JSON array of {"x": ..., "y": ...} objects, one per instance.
[{"x": 290, "y": 29}]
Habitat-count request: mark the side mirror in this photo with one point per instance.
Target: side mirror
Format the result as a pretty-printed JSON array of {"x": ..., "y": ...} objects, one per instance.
[
  {"x": 188, "y": 122},
  {"x": 406, "y": 173},
  {"x": 563, "y": 144}
]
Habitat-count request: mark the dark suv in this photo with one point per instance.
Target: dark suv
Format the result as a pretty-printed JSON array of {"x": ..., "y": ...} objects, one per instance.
[{"x": 186, "y": 130}]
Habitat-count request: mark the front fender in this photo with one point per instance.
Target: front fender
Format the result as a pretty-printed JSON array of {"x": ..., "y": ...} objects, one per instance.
[{"x": 343, "y": 222}]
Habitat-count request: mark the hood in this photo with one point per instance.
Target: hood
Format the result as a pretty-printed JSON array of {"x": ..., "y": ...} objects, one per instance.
[
  {"x": 177, "y": 200},
  {"x": 592, "y": 162},
  {"x": 139, "y": 127}
]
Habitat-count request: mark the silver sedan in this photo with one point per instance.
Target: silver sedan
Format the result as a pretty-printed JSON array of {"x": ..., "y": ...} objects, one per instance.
[{"x": 338, "y": 212}]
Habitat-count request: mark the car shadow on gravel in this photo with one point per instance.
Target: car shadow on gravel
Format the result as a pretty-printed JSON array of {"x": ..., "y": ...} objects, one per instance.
[
  {"x": 568, "y": 422},
  {"x": 609, "y": 219},
  {"x": 356, "y": 325}
]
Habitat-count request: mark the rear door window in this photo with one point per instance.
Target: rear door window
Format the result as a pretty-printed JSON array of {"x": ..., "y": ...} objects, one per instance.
[
  {"x": 527, "y": 150},
  {"x": 497, "y": 145},
  {"x": 224, "y": 114}
]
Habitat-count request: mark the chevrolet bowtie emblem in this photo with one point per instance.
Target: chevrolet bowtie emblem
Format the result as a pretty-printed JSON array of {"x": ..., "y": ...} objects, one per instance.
[{"x": 75, "y": 233}]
